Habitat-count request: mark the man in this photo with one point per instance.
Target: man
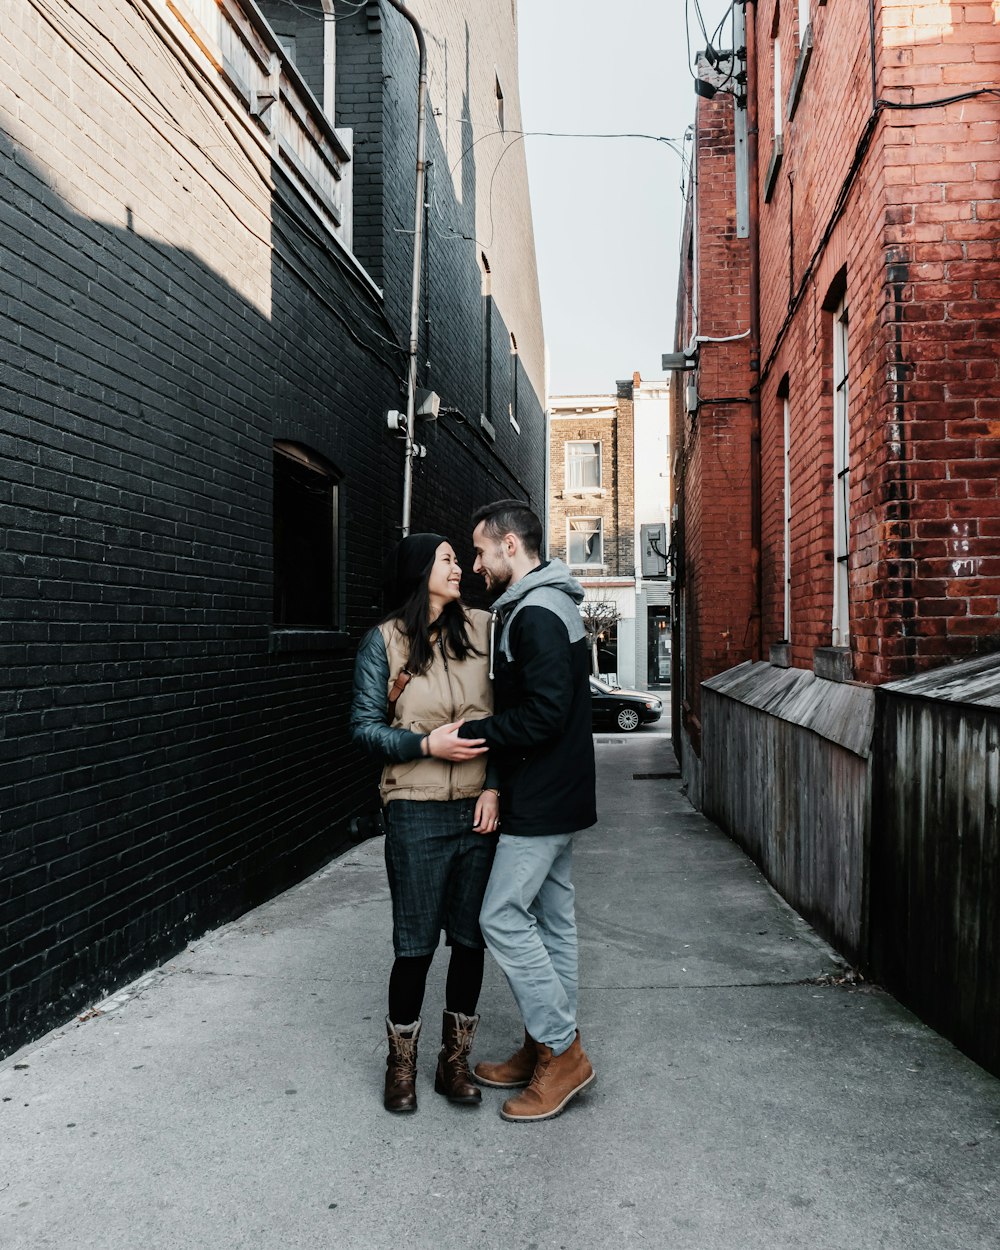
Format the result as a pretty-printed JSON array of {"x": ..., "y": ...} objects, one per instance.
[{"x": 540, "y": 736}]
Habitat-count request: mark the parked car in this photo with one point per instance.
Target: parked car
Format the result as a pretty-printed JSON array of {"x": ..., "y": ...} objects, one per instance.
[{"x": 623, "y": 710}]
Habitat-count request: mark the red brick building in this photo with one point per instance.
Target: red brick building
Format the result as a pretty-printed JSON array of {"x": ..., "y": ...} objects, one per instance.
[
  {"x": 859, "y": 535},
  {"x": 879, "y": 279},
  {"x": 710, "y": 428}
]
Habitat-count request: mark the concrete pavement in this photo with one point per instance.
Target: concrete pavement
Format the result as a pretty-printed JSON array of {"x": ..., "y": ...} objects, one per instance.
[{"x": 744, "y": 1099}]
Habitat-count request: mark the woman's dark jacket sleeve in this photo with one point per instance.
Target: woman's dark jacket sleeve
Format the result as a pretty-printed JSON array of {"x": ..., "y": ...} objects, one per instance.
[{"x": 370, "y": 728}]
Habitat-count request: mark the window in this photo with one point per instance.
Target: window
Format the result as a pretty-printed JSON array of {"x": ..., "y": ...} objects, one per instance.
[
  {"x": 583, "y": 465},
  {"x": 841, "y": 478},
  {"x": 777, "y": 140},
  {"x": 803, "y": 20},
  {"x": 306, "y": 539},
  {"x": 500, "y": 121},
  {"x": 803, "y": 58},
  {"x": 787, "y": 455},
  {"x": 585, "y": 541}
]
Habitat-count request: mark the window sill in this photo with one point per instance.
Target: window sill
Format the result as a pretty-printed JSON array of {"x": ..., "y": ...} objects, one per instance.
[
  {"x": 801, "y": 65},
  {"x": 585, "y": 492},
  {"x": 777, "y": 151},
  {"x": 283, "y": 640},
  {"x": 487, "y": 427}
]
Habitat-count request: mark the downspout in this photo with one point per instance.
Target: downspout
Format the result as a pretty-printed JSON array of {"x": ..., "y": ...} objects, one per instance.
[
  {"x": 756, "y": 635},
  {"x": 418, "y": 234}
]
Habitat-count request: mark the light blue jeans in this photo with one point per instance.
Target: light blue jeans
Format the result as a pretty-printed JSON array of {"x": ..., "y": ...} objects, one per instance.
[{"x": 529, "y": 923}]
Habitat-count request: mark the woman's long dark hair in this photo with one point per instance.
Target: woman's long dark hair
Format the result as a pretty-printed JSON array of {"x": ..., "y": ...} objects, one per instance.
[{"x": 452, "y": 627}]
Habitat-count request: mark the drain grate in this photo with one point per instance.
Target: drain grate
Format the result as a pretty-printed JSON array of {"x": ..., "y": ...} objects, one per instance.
[{"x": 655, "y": 776}]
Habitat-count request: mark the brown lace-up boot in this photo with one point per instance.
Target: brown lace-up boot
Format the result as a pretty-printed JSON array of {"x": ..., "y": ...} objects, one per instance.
[
  {"x": 401, "y": 1066},
  {"x": 453, "y": 1078},
  {"x": 511, "y": 1072},
  {"x": 556, "y": 1079}
]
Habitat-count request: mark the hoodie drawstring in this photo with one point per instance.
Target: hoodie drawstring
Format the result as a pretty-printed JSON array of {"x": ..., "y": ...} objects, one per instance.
[{"x": 493, "y": 630}]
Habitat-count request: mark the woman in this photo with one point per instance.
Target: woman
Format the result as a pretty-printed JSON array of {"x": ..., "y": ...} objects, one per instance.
[{"x": 419, "y": 673}]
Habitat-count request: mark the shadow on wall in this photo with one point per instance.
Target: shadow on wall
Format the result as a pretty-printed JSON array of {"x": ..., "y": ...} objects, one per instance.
[{"x": 161, "y": 769}]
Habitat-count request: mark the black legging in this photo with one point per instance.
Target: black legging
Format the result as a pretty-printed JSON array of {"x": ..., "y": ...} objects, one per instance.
[{"x": 409, "y": 978}]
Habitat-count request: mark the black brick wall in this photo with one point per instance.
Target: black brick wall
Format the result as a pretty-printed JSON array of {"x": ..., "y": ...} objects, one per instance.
[{"x": 162, "y": 768}]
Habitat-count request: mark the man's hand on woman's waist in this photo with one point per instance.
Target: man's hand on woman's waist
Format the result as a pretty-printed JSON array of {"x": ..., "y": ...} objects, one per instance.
[{"x": 444, "y": 743}]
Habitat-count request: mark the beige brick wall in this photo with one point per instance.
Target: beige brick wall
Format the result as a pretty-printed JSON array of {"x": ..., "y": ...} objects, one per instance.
[{"x": 607, "y": 420}]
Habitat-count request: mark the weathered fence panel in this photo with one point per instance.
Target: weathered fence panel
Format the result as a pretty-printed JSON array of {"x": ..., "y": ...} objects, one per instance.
[
  {"x": 787, "y": 773},
  {"x": 935, "y": 862}
]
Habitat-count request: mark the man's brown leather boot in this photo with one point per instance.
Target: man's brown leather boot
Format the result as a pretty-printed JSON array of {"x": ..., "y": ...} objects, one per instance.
[
  {"x": 511, "y": 1072},
  {"x": 556, "y": 1079},
  {"x": 453, "y": 1078},
  {"x": 401, "y": 1067}
]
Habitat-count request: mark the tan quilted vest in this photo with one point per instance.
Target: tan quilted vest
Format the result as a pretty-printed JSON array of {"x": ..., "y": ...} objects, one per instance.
[{"x": 450, "y": 690}]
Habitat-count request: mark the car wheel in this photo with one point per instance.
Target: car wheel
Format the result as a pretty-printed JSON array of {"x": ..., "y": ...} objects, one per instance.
[{"x": 627, "y": 719}]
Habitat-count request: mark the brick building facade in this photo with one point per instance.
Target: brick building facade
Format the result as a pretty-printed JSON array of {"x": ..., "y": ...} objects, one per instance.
[
  {"x": 857, "y": 536},
  {"x": 204, "y": 302},
  {"x": 596, "y": 466},
  {"x": 591, "y": 523},
  {"x": 710, "y": 430},
  {"x": 878, "y": 333}
]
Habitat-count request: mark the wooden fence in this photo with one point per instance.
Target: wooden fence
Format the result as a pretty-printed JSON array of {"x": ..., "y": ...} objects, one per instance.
[
  {"x": 875, "y": 814},
  {"x": 935, "y": 865},
  {"x": 786, "y": 771}
]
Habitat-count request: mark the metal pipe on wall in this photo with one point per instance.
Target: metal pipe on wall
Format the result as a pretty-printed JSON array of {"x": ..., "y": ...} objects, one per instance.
[
  {"x": 756, "y": 639},
  {"x": 418, "y": 234}
]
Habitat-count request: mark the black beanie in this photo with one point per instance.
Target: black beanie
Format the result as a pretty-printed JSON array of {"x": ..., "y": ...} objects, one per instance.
[{"x": 408, "y": 565}]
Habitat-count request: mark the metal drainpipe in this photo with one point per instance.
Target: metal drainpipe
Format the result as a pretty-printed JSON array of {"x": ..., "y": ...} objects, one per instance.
[
  {"x": 418, "y": 237},
  {"x": 756, "y": 639}
]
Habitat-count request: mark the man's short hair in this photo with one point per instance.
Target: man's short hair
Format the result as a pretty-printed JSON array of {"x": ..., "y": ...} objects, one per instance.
[{"x": 511, "y": 516}]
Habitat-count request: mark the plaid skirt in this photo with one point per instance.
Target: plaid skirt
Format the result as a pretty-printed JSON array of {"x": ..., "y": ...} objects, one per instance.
[{"x": 438, "y": 869}]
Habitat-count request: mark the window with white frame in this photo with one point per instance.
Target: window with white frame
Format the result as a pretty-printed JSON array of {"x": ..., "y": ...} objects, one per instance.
[
  {"x": 583, "y": 465},
  {"x": 776, "y": 55},
  {"x": 585, "y": 541},
  {"x": 787, "y": 455},
  {"x": 803, "y": 20},
  {"x": 841, "y": 477}
]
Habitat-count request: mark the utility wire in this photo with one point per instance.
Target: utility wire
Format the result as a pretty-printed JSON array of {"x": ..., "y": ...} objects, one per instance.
[{"x": 701, "y": 21}]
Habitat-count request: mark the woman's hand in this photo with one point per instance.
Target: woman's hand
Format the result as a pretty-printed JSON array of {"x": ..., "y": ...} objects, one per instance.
[
  {"x": 487, "y": 813},
  {"x": 445, "y": 744}
]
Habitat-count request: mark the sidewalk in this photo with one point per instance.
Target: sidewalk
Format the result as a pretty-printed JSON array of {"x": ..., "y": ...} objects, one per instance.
[{"x": 232, "y": 1098}]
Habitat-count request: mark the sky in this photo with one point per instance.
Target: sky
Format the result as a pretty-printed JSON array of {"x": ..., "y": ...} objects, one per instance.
[{"x": 607, "y": 212}]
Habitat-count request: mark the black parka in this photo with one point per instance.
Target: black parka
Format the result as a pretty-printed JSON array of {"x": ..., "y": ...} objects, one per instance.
[{"x": 540, "y": 735}]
